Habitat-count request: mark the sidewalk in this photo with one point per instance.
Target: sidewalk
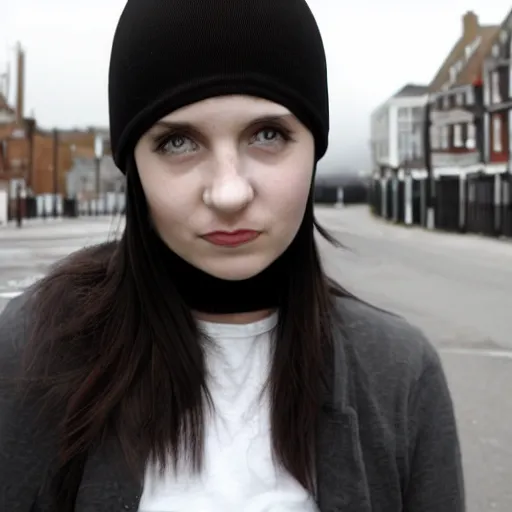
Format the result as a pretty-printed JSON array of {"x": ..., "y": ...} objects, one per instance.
[
  {"x": 51, "y": 228},
  {"x": 359, "y": 220}
]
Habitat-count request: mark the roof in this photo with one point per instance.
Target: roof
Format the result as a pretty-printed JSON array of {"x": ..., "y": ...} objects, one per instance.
[
  {"x": 487, "y": 33},
  {"x": 473, "y": 69},
  {"x": 411, "y": 90},
  {"x": 506, "y": 26}
]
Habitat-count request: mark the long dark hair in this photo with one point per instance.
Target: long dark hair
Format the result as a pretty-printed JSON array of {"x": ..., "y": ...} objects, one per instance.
[{"x": 111, "y": 336}]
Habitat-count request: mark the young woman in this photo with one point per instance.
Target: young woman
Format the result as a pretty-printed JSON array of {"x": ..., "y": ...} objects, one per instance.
[{"x": 205, "y": 362}]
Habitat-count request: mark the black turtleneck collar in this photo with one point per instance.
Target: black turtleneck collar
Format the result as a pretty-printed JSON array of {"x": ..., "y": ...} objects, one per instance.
[{"x": 208, "y": 294}]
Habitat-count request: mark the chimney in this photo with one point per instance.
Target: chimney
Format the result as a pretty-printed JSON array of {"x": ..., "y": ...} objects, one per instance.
[
  {"x": 470, "y": 25},
  {"x": 20, "y": 89}
]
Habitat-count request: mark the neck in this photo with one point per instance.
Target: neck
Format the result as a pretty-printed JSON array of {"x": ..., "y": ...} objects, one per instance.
[
  {"x": 234, "y": 318},
  {"x": 227, "y": 301}
]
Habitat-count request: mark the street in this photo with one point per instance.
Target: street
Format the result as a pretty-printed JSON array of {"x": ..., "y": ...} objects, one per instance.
[{"x": 457, "y": 289}]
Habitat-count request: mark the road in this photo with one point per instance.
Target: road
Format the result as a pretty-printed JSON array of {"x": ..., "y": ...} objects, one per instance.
[{"x": 458, "y": 289}]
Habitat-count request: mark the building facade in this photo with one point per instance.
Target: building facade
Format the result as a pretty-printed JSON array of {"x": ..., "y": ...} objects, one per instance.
[
  {"x": 497, "y": 99},
  {"x": 456, "y": 110},
  {"x": 396, "y": 130}
]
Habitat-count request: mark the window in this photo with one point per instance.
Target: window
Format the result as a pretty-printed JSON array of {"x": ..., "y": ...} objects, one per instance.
[
  {"x": 510, "y": 81},
  {"x": 471, "y": 136},
  {"x": 453, "y": 74},
  {"x": 470, "y": 96},
  {"x": 510, "y": 129},
  {"x": 487, "y": 88},
  {"x": 417, "y": 113},
  {"x": 496, "y": 134},
  {"x": 446, "y": 101},
  {"x": 459, "y": 99},
  {"x": 445, "y": 137},
  {"x": 495, "y": 87},
  {"x": 434, "y": 137},
  {"x": 495, "y": 51},
  {"x": 457, "y": 136}
]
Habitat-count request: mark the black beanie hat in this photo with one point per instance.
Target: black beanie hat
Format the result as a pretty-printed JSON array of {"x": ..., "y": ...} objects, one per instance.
[{"x": 170, "y": 53}]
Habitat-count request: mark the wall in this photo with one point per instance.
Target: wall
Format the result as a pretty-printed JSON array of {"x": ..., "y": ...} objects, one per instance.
[{"x": 72, "y": 143}]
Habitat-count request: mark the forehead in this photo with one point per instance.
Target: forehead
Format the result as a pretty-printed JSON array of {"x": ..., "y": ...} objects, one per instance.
[{"x": 227, "y": 109}]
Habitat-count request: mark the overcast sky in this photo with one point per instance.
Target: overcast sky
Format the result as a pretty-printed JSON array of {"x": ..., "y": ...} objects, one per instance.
[{"x": 373, "y": 48}]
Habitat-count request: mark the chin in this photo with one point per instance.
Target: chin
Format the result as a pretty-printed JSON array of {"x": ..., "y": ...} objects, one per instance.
[{"x": 235, "y": 270}]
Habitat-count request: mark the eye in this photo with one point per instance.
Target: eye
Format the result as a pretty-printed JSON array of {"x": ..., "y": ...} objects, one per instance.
[
  {"x": 272, "y": 136},
  {"x": 269, "y": 136},
  {"x": 175, "y": 144}
]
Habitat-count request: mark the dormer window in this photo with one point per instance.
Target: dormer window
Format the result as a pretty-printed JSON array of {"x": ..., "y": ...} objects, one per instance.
[
  {"x": 495, "y": 87},
  {"x": 453, "y": 74}
]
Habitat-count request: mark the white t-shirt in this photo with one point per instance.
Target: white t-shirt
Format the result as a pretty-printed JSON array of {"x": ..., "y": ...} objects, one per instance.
[{"x": 238, "y": 474}]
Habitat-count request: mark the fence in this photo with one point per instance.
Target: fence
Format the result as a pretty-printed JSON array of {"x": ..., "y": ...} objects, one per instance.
[
  {"x": 48, "y": 205},
  {"x": 356, "y": 193},
  {"x": 473, "y": 203}
]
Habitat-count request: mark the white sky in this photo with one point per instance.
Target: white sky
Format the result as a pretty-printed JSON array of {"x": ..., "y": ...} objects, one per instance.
[{"x": 373, "y": 48}]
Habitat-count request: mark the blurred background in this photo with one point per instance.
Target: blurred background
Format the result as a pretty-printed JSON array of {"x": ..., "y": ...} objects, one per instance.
[{"x": 417, "y": 182}]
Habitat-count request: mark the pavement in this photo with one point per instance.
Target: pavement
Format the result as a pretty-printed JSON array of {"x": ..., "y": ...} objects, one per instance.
[{"x": 456, "y": 288}]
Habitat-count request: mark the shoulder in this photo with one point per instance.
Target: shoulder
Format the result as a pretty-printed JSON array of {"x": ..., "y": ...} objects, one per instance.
[
  {"x": 57, "y": 292},
  {"x": 385, "y": 348},
  {"x": 13, "y": 326}
]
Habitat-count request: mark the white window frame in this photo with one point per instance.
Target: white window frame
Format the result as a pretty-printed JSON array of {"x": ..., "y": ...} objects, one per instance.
[
  {"x": 510, "y": 78},
  {"x": 471, "y": 136},
  {"x": 495, "y": 87},
  {"x": 497, "y": 127},
  {"x": 459, "y": 99},
  {"x": 487, "y": 86},
  {"x": 453, "y": 74},
  {"x": 470, "y": 96},
  {"x": 510, "y": 129},
  {"x": 457, "y": 136},
  {"x": 445, "y": 137},
  {"x": 446, "y": 101},
  {"x": 434, "y": 137}
]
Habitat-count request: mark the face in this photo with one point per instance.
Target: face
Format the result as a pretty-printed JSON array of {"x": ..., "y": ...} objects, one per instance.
[{"x": 227, "y": 182}]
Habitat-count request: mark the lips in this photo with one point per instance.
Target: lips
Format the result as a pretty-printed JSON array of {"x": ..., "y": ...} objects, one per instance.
[{"x": 232, "y": 238}]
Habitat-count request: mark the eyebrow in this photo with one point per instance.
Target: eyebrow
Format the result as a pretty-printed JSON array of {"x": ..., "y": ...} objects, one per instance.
[{"x": 181, "y": 125}]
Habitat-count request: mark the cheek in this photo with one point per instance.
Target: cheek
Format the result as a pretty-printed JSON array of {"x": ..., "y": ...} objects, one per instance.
[
  {"x": 169, "y": 197},
  {"x": 286, "y": 193}
]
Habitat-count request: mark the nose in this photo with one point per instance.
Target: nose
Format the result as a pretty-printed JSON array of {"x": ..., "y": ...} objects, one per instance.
[{"x": 230, "y": 192}]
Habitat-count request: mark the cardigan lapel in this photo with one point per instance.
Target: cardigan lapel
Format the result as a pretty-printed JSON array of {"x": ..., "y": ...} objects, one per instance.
[
  {"x": 108, "y": 485},
  {"x": 342, "y": 485}
]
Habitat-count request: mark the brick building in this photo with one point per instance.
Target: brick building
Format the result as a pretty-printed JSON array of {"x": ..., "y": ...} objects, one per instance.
[
  {"x": 497, "y": 98},
  {"x": 456, "y": 128},
  {"x": 27, "y": 153}
]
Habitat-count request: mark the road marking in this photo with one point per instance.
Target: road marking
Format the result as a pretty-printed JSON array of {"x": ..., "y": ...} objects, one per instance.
[{"x": 506, "y": 354}]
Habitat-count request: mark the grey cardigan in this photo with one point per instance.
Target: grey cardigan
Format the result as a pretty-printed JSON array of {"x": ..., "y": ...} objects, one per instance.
[{"x": 387, "y": 438}]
